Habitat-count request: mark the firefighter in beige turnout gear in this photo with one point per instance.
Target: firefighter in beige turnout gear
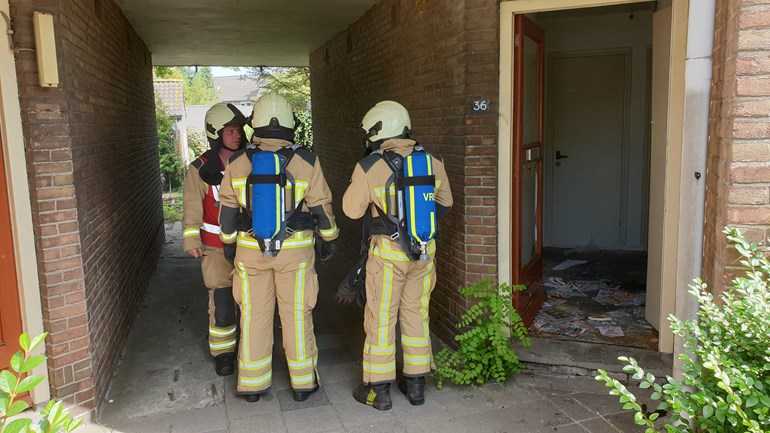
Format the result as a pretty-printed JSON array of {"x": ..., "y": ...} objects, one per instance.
[
  {"x": 289, "y": 276},
  {"x": 224, "y": 129},
  {"x": 398, "y": 284}
]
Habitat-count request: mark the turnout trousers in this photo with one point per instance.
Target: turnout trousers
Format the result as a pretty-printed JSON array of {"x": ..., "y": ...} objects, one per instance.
[
  {"x": 217, "y": 277},
  {"x": 397, "y": 290},
  {"x": 290, "y": 279}
]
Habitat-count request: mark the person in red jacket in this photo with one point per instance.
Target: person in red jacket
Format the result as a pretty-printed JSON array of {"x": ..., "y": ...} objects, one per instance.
[{"x": 200, "y": 225}]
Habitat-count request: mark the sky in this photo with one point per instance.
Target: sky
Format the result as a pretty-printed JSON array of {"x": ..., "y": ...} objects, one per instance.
[{"x": 219, "y": 71}]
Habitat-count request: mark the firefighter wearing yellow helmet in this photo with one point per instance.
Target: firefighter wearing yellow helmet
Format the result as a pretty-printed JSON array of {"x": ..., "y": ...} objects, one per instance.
[
  {"x": 400, "y": 189},
  {"x": 275, "y": 202},
  {"x": 224, "y": 129}
]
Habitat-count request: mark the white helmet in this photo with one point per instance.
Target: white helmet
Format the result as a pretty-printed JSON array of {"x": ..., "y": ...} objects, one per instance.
[
  {"x": 221, "y": 115},
  {"x": 272, "y": 112},
  {"x": 387, "y": 119}
]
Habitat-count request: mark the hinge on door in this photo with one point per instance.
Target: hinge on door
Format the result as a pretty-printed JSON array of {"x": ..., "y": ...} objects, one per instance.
[{"x": 516, "y": 41}]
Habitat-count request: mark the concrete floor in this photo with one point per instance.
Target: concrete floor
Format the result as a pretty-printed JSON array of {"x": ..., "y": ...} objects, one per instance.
[{"x": 166, "y": 381}]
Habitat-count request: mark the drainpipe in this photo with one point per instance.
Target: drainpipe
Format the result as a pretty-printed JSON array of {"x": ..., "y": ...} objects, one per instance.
[{"x": 698, "y": 72}]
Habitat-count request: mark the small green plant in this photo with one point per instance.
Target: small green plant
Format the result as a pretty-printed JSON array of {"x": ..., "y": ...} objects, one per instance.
[
  {"x": 171, "y": 212},
  {"x": 485, "y": 353},
  {"x": 725, "y": 384},
  {"x": 12, "y": 384}
]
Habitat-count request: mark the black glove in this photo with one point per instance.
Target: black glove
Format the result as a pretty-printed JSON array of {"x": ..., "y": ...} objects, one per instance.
[
  {"x": 229, "y": 250},
  {"x": 328, "y": 250}
]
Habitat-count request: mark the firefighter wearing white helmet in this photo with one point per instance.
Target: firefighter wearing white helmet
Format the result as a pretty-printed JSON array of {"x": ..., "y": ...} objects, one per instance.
[
  {"x": 400, "y": 189},
  {"x": 275, "y": 203},
  {"x": 224, "y": 129}
]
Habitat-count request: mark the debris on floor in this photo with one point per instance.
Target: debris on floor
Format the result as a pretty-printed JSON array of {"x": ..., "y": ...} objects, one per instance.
[
  {"x": 599, "y": 300},
  {"x": 611, "y": 331}
]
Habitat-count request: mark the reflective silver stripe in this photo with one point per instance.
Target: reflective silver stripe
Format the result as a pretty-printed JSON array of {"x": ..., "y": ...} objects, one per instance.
[
  {"x": 255, "y": 365},
  {"x": 257, "y": 380},
  {"x": 211, "y": 228},
  {"x": 224, "y": 345},
  {"x": 222, "y": 332},
  {"x": 191, "y": 232}
]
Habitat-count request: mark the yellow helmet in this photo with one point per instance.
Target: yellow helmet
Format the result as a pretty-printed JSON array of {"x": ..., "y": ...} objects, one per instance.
[
  {"x": 221, "y": 115},
  {"x": 272, "y": 112},
  {"x": 387, "y": 119}
]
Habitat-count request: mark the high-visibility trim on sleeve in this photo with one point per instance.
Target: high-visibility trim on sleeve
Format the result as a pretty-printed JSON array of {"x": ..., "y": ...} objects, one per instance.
[{"x": 191, "y": 232}]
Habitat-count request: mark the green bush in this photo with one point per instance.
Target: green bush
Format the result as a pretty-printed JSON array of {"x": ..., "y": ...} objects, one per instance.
[
  {"x": 726, "y": 381},
  {"x": 485, "y": 353},
  {"x": 12, "y": 384},
  {"x": 172, "y": 212}
]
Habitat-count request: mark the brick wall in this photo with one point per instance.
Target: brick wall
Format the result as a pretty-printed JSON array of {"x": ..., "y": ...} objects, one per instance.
[
  {"x": 434, "y": 58},
  {"x": 93, "y": 170},
  {"x": 738, "y": 180}
]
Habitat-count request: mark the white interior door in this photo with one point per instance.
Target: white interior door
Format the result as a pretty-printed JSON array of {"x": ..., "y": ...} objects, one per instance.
[{"x": 587, "y": 97}]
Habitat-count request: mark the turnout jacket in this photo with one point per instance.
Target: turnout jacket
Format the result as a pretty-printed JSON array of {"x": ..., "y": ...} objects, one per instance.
[
  {"x": 367, "y": 187},
  {"x": 200, "y": 221},
  {"x": 310, "y": 186}
]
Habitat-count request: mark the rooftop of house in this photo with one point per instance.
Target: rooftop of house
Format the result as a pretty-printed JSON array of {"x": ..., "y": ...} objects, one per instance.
[
  {"x": 170, "y": 91},
  {"x": 238, "y": 88}
]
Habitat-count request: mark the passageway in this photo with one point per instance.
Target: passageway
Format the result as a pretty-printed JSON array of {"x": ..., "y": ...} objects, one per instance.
[{"x": 166, "y": 382}]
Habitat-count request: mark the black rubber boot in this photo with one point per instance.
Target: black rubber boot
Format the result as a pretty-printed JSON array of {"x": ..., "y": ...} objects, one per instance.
[
  {"x": 304, "y": 394},
  {"x": 377, "y": 396},
  {"x": 413, "y": 388},
  {"x": 225, "y": 364},
  {"x": 251, "y": 398}
]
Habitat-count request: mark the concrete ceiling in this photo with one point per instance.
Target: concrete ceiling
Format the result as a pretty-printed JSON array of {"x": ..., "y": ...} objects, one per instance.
[{"x": 239, "y": 32}]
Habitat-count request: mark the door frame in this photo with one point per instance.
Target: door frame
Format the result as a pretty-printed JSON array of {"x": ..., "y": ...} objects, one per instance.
[
  {"x": 19, "y": 200},
  {"x": 669, "y": 198}
]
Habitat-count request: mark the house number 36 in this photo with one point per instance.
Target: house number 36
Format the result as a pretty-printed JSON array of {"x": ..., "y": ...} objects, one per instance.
[{"x": 482, "y": 105}]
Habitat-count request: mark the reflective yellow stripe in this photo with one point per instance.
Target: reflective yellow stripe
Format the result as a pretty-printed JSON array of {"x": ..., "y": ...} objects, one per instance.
[
  {"x": 223, "y": 345},
  {"x": 301, "y": 380},
  {"x": 221, "y": 332},
  {"x": 330, "y": 232},
  {"x": 239, "y": 185},
  {"x": 416, "y": 360},
  {"x": 256, "y": 380},
  {"x": 424, "y": 301},
  {"x": 246, "y": 300},
  {"x": 256, "y": 365},
  {"x": 228, "y": 237},
  {"x": 395, "y": 256},
  {"x": 387, "y": 285},
  {"x": 297, "y": 240},
  {"x": 299, "y": 310},
  {"x": 380, "y": 368},
  {"x": 300, "y": 364},
  {"x": 188, "y": 233},
  {"x": 380, "y": 350},
  {"x": 415, "y": 342},
  {"x": 300, "y": 189},
  {"x": 412, "y": 210},
  {"x": 278, "y": 197}
]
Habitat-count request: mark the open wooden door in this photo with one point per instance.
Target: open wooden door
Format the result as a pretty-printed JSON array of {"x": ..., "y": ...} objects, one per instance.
[
  {"x": 10, "y": 312},
  {"x": 527, "y": 188}
]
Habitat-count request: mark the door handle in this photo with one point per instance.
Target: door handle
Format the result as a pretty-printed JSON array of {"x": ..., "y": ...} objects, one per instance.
[{"x": 560, "y": 156}]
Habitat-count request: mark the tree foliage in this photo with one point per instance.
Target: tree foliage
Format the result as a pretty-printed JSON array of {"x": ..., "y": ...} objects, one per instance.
[
  {"x": 171, "y": 165},
  {"x": 198, "y": 83},
  {"x": 294, "y": 85}
]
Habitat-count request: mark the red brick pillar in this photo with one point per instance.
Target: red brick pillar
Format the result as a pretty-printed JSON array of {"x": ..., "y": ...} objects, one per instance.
[{"x": 737, "y": 192}]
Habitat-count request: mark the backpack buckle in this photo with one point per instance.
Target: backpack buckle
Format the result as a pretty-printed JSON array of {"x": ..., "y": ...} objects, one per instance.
[
  {"x": 394, "y": 236},
  {"x": 289, "y": 231}
]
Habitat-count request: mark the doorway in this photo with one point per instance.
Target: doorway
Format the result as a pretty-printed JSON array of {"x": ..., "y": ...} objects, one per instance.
[{"x": 598, "y": 149}]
